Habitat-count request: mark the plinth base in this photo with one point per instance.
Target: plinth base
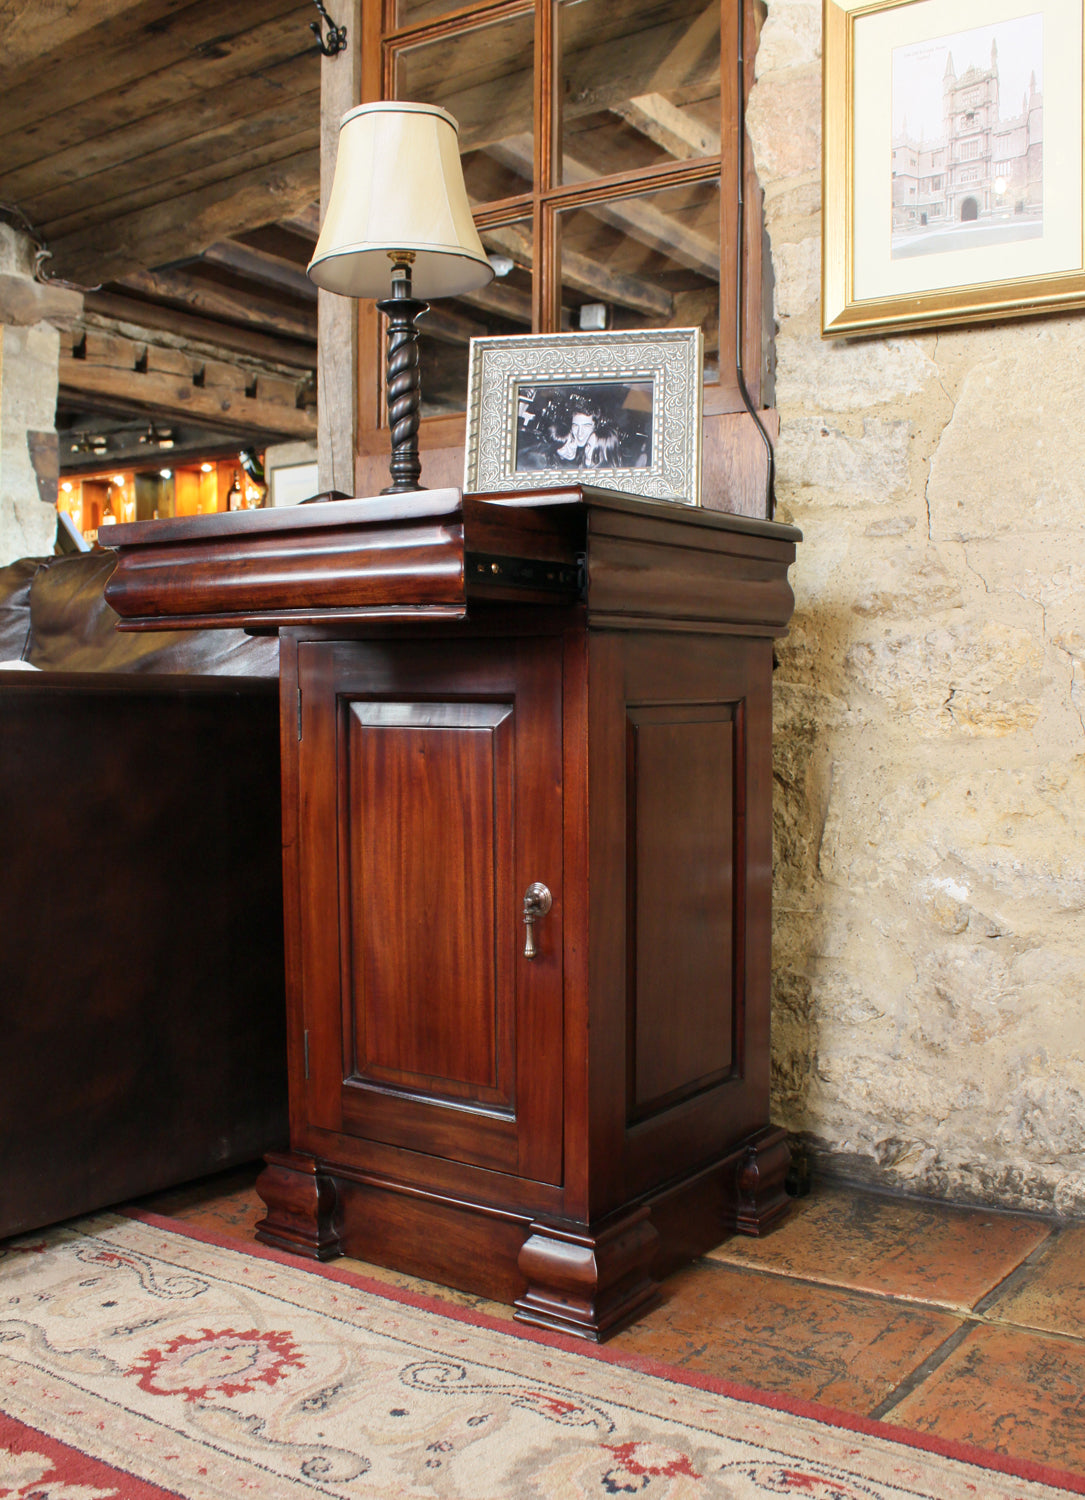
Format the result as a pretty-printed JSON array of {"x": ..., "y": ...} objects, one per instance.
[{"x": 588, "y": 1281}]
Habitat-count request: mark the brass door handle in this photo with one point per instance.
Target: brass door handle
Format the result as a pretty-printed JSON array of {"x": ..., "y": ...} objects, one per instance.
[{"x": 537, "y": 902}]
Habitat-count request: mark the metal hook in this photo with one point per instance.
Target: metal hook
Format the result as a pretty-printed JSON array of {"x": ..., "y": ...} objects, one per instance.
[{"x": 337, "y": 35}]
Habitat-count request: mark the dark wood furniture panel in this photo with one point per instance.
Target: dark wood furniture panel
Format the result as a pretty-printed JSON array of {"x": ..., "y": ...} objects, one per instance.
[
  {"x": 141, "y": 910},
  {"x": 592, "y": 712}
]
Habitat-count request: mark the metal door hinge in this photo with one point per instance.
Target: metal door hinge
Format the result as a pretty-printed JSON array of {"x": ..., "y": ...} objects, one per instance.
[
  {"x": 307, "y": 1057},
  {"x": 299, "y": 713}
]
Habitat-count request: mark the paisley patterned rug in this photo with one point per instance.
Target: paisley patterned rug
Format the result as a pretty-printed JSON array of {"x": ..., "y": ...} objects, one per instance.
[{"x": 140, "y": 1360}]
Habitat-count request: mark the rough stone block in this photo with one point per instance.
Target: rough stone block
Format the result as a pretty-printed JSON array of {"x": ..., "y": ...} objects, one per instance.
[
  {"x": 797, "y": 270},
  {"x": 845, "y": 375},
  {"x": 783, "y": 120},
  {"x": 790, "y": 37},
  {"x": 1008, "y": 459},
  {"x": 870, "y": 466}
]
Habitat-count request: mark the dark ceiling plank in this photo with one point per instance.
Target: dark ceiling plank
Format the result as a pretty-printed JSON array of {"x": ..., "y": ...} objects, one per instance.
[
  {"x": 87, "y": 90},
  {"x": 281, "y": 241},
  {"x": 21, "y": 35},
  {"x": 290, "y": 126},
  {"x": 305, "y": 222},
  {"x": 129, "y": 315},
  {"x": 213, "y": 300},
  {"x": 259, "y": 266},
  {"x": 21, "y": 24},
  {"x": 188, "y": 222},
  {"x": 214, "y": 108}
]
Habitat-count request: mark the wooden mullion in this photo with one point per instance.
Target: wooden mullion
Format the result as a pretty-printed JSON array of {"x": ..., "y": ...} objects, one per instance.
[
  {"x": 752, "y": 198},
  {"x": 635, "y": 182},
  {"x": 545, "y": 292},
  {"x": 459, "y": 20},
  {"x": 504, "y": 211},
  {"x": 731, "y": 185}
]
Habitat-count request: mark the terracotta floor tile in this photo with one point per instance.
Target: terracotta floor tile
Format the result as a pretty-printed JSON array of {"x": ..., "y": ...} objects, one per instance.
[
  {"x": 820, "y": 1343},
  {"x": 1049, "y": 1295},
  {"x": 1017, "y": 1392},
  {"x": 924, "y": 1252},
  {"x": 227, "y": 1204}
]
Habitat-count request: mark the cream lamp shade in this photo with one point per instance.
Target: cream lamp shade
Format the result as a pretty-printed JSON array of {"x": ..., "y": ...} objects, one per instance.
[{"x": 399, "y": 194}]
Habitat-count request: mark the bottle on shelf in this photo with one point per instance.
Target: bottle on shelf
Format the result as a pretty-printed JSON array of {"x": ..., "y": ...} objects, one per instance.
[{"x": 235, "y": 500}]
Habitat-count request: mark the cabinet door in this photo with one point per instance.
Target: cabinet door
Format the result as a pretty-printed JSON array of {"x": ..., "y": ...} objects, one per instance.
[{"x": 430, "y": 799}]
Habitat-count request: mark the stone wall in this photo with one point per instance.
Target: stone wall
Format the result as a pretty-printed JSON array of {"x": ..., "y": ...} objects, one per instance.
[
  {"x": 929, "y": 1009},
  {"x": 30, "y": 315}
]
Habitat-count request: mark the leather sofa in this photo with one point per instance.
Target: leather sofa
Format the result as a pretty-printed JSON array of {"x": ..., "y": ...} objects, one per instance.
[{"x": 141, "y": 962}]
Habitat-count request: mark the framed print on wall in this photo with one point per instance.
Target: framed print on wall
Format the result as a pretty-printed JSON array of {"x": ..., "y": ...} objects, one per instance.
[
  {"x": 621, "y": 410},
  {"x": 952, "y": 161}
]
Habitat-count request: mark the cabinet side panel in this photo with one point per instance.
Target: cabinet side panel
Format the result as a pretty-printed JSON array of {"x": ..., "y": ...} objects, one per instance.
[
  {"x": 426, "y": 784},
  {"x": 681, "y": 805}
]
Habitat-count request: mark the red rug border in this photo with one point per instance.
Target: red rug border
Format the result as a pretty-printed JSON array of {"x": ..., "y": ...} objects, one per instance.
[
  {"x": 122, "y": 1481},
  {"x": 982, "y": 1458}
]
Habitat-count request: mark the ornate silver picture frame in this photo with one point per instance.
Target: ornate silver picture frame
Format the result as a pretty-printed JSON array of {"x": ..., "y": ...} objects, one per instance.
[{"x": 619, "y": 410}]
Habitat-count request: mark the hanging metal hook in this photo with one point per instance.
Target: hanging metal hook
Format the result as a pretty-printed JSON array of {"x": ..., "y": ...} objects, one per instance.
[{"x": 337, "y": 35}]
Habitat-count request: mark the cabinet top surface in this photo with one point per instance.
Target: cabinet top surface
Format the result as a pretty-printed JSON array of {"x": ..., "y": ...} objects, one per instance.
[
  {"x": 436, "y": 554},
  {"x": 437, "y": 505}
]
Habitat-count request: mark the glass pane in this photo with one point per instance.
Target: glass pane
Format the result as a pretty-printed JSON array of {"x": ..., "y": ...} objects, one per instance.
[
  {"x": 651, "y": 261},
  {"x": 417, "y": 12},
  {"x": 502, "y": 307},
  {"x": 640, "y": 84},
  {"x": 483, "y": 77}
]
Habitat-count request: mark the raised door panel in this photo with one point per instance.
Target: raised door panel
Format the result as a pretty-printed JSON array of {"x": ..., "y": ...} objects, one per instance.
[
  {"x": 431, "y": 780},
  {"x": 428, "y": 824},
  {"x": 682, "y": 805},
  {"x": 681, "y": 836}
]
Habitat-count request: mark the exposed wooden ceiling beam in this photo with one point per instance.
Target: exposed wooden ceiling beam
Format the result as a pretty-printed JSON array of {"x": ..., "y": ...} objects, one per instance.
[
  {"x": 24, "y": 23},
  {"x": 599, "y": 75},
  {"x": 586, "y": 275},
  {"x": 176, "y": 385},
  {"x": 199, "y": 294},
  {"x": 506, "y": 301},
  {"x": 306, "y": 222},
  {"x": 115, "y": 155},
  {"x": 680, "y": 134},
  {"x": 185, "y": 169},
  {"x": 644, "y": 222},
  {"x": 155, "y": 321},
  {"x": 637, "y": 217},
  {"x": 281, "y": 240},
  {"x": 259, "y": 266},
  {"x": 166, "y": 52},
  {"x": 187, "y": 224},
  {"x": 449, "y": 326}
]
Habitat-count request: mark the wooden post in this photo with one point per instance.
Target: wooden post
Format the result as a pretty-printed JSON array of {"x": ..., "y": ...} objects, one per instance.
[{"x": 337, "y": 317}]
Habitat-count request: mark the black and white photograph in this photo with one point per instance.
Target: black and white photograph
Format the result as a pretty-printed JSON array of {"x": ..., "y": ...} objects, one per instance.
[
  {"x": 968, "y": 139},
  {"x": 603, "y": 425},
  {"x": 618, "y": 409}
]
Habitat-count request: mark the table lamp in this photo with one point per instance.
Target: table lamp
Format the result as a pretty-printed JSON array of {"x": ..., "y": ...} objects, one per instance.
[{"x": 398, "y": 221}]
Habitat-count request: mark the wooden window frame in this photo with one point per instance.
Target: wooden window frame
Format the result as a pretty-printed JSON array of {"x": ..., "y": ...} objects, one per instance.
[{"x": 735, "y": 462}]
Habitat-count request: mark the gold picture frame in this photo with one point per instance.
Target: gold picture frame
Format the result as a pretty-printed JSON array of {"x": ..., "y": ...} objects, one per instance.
[{"x": 917, "y": 233}]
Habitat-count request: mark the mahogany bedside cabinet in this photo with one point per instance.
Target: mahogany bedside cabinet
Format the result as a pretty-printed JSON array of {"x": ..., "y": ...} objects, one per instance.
[{"x": 527, "y": 859}]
